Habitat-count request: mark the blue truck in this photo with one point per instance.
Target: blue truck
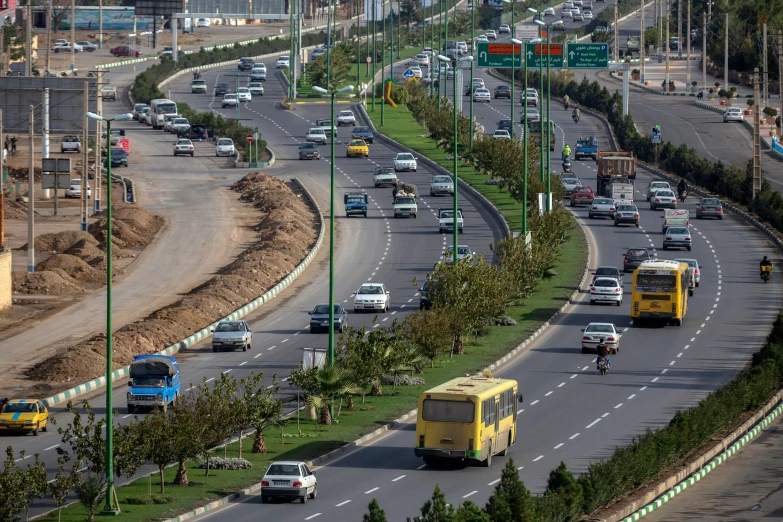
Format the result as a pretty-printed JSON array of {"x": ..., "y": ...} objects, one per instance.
[
  {"x": 586, "y": 148},
  {"x": 355, "y": 203},
  {"x": 155, "y": 382}
]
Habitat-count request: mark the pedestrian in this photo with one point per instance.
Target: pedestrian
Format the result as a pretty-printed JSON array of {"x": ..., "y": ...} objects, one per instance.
[
  {"x": 7, "y": 144},
  {"x": 13, "y": 145}
]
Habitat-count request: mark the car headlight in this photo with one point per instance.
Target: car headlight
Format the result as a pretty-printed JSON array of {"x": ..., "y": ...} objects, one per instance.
[
  {"x": 159, "y": 396},
  {"x": 29, "y": 422},
  {"x": 130, "y": 396},
  {"x": 2, "y": 422}
]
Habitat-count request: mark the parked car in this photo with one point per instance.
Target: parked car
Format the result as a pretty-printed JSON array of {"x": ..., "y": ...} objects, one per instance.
[
  {"x": 732, "y": 114},
  {"x": 87, "y": 46},
  {"x": 75, "y": 189},
  {"x": 225, "y": 147},
  {"x": 124, "y": 50}
]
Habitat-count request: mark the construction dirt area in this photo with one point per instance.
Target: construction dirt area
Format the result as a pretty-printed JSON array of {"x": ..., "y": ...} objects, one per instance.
[{"x": 282, "y": 235}]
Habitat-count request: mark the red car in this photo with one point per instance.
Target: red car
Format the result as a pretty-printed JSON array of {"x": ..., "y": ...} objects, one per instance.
[
  {"x": 582, "y": 195},
  {"x": 124, "y": 50}
]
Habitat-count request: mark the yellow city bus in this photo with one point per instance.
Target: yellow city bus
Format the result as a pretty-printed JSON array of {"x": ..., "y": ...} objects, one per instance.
[
  {"x": 660, "y": 291},
  {"x": 467, "y": 418}
]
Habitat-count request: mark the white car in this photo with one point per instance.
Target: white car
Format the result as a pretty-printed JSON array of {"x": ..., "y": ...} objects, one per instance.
[
  {"x": 225, "y": 147},
  {"x": 283, "y": 62},
  {"x": 663, "y": 199},
  {"x": 405, "y": 161},
  {"x": 256, "y": 88},
  {"x": 316, "y": 134},
  {"x": 202, "y": 22},
  {"x": 184, "y": 147},
  {"x": 568, "y": 5},
  {"x": 75, "y": 189},
  {"x": 178, "y": 124},
  {"x": 549, "y": 11},
  {"x": 346, "y": 118},
  {"x": 66, "y": 48},
  {"x": 417, "y": 73},
  {"x": 606, "y": 289},
  {"x": 482, "y": 95},
  {"x": 603, "y": 207},
  {"x": 423, "y": 60},
  {"x": 501, "y": 134},
  {"x": 732, "y": 114},
  {"x": 290, "y": 480},
  {"x": 371, "y": 296},
  {"x": 576, "y": 15},
  {"x": 588, "y": 15},
  {"x": 566, "y": 13},
  {"x": 243, "y": 94},
  {"x": 168, "y": 119},
  {"x": 595, "y": 332},
  {"x": 229, "y": 100},
  {"x": 261, "y": 66},
  {"x": 87, "y": 46},
  {"x": 482, "y": 39},
  {"x": 694, "y": 264},
  {"x": 655, "y": 186},
  {"x": 463, "y": 251},
  {"x": 504, "y": 28},
  {"x": 491, "y": 35},
  {"x": 144, "y": 116}
]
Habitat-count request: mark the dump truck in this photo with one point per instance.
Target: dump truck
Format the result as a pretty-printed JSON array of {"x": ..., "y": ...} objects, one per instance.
[{"x": 614, "y": 165}]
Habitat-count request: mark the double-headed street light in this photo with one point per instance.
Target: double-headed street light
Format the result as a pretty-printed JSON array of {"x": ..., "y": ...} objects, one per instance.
[
  {"x": 110, "y": 507},
  {"x": 321, "y": 90},
  {"x": 544, "y": 147},
  {"x": 444, "y": 59}
]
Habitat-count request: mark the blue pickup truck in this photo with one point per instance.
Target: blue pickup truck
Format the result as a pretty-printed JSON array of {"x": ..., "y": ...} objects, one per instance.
[
  {"x": 155, "y": 382},
  {"x": 355, "y": 204},
  {"x": 586, "y": 148}
]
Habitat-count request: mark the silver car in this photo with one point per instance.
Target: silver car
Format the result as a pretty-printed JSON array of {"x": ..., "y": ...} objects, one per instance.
[
  {"x": 709, "y": 207},
  {"x": 606, "y": 289},
  {"x": 603, "y": 207},
  {"x": 677, "y": 237},
  {"x": 231, "y": 335},
  {"x": 569, "y": 184},
  {"x": 441, "y": 185},
  {"x": 626, "y": 214},
  {"x": 663, "y": 199},
  {"x": 655, "y": 186},
  {"x": 532, "y": 116},
  {"x": 596, "y": 332},
  {"x": 695, "y": 267}
]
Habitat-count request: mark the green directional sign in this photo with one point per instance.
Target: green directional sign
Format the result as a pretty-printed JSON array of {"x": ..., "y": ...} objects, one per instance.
[
  {"x": 536, "y": 55},
  {"x": 588, "y": 55},
  {"x": 499, "y": 55}
]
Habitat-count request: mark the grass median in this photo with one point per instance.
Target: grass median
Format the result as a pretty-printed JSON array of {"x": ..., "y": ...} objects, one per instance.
[{"x": 305, "y": 440}]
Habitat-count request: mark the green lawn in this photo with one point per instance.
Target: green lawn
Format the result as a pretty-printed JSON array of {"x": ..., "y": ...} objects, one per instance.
[{"x": 376, "y": 411}]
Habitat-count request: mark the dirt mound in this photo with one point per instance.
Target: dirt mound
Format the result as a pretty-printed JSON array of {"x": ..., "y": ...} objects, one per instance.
[
  {"x": 60, "y": 241},
  {"x": 49, "y": 282},
  {"x": 287, "y": 230},
  {"x": 20, "y": 174},
  {"x": 133, "y": 227},
  {"x": 14, "y": 209},
  {"x": 77, "y": 268}
]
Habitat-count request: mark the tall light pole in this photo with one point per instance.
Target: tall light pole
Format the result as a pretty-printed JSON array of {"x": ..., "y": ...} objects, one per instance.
[
  {"x": 321, "y": 90},
  {"x": 110, "y": 507},
  {"x": 541, "y": 26},
  {"x": 374, "y": 51},
  {"x": 329, "y": 43},
  {"x": 514, "y": 43},
  {"x": 472, "y": 45},
  {"x": 524, "y": 145},
  {"x": 383, "y": 63},
  {"x": 548, "y": 123},
  {"x": 455, "y": 153}
]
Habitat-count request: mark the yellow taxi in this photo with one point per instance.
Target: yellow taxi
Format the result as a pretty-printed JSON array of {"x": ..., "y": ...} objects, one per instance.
[
  {"x": 24, "y": 415},
  {"x": 357, "y": 147}
]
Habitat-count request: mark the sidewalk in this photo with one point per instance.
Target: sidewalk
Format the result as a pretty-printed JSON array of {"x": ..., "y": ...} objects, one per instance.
[{"x": 655, "y": 75}]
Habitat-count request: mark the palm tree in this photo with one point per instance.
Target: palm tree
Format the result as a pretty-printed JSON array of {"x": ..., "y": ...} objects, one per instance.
[{"x": 333, "y": 383}]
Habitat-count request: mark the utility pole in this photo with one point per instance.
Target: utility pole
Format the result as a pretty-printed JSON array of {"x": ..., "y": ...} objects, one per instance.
[
  {"x": 660, "y": 28},
  {"x": 98, "y": 127},
  {"x": 780, "y": 77},
  {"x": 643, "y": 43},
  {"x": 28, "y": 40},
  {"x": 704, "y": 49},
  {"x": 49, "y": 34},
  {"x": 31, "y": 195},
  {"x": 726, "y": 56},
  {"x": 85, "y": 156},
  {"x": 765, "y": 91},
  {"x": 679, "y": 28},
  {"x": 73, "y": 36},
  {"x": 100, "y": 32},
  {"x": 688, "y": 68},
  {"x": 616, "y": 39},
  {"x": 2, "y": 189},
  {"x": 756, "y": 135},
  {"x": 666, "y": 47},
  {"x": 45, "y": 128}
]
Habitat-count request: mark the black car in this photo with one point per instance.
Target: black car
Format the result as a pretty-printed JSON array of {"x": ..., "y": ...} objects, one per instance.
[
  {"x": 309, "y": 150},
  {"x": 424, "y": 301},
  {"x": 634, "y": 257},
  {"x": 503, "y": 91},
  {"x": 119, "y": 158},
  {"x": 245, "y": 64},
  {"x": 362, "y": 133},
  {"x": 505, "y": 125},
  {"x": 319, "y": 318},
  {"x": 221, "y": 89}
]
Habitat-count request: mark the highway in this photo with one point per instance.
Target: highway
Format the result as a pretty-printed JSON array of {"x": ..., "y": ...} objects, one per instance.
[{"x": 571, "y": 413}]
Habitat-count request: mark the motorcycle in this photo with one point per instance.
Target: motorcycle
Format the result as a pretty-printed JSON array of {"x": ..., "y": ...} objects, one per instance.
[
  {"x": 576, "y": 118},
  {"x": 196, "y": 76},
  {"x": 683, "y": 195},
  {"x": 566, "y": 166},
  {"x": 766, "y": 271},
  {"x": 567, "y": 105},
  {"x": 602, "y": 366}
]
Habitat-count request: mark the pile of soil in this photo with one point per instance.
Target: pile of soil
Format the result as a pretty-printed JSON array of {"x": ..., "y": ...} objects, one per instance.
[
  {"x": 20, "y": 174},
  {"x": 14, "y": 209},
  {"x": 78, "y": 260},
  {"x": 287, "y": 230}
]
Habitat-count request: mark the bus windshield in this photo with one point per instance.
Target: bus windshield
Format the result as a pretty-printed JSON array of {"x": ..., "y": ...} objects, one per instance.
[{"x": 166, "y": 108}]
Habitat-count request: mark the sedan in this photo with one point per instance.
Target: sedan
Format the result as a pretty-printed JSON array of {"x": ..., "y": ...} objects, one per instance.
[
  {"x": 549, "y": 11},
  {"x": 441, "y": 185},
  {"x": 184, "y": 147},
  {"x": 505, "y": 125},
  {"x": 482, "y": 94},
  {"x": 504, "y": 28},
  {"x": 635, "y": 257},
  {"x": 663, "y": 199},
  {"x": 603, "y": 207},
  {"x": 626, "y": 215},
  {"x": 289, "y": 479},
  {"x": 709, "y": 207},
  {"x": 569, "y": 184},
  {"x": 243, "y": 94},
  {"x": 405, "y": 161},
  {"x": 316, "y": 134},
  {"x": 587, "y": 15},
  {"x": 221, "y": 89},
  {"x": 677, "y": 237},
  {"x": 225, "y": 147},
  {"x": 283, "y": 62},
  {"x": 491, "y": 35},
  {"x": 357, "y": 147},
  {"x": 695, "y": 266},
  {"x": 577, "y": 16},
  {"x": 532, "y": 116},
  {"x": 87, "y": 46},
  {"x": 606, "y": 289},
  {"x": 363, "y": 133},
  {"x": 371, "y": 296},
  {"x": 416, "y": 70},
  {"x": 229, "y": 100},
  {"x": 597, "y": 332},
  {"x": 179, "y": 124},
  {"x": 309, "y": 151},
  {"x": 732, "y": 114},
  {"x": 256, "y": 88},
  {"x": 75, "y": 189},
  {"x": 502, "y": 91},
  {"x": 608, "y": 271},
  {"x": 463, "y": 251},
  {"x": 137, "y": 110},
  {"x": 482, "y": 39},
  {"x": 582, "y": 196},
  {"x": 319, "y": 318},
  {"x": 423, "y": 60},
  {"x": 655, "y": 186},
  {"x": 119, "y": 158},
  {"x": 501, "y": 135}
]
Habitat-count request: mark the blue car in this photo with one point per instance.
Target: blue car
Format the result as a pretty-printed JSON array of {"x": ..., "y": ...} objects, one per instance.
[{"x": 319, "y": 318}]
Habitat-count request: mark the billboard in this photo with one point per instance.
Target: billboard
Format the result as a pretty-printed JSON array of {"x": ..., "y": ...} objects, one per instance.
[
  {"x": 66, "y": 111},
  {"x": 114, "y": 19},
  {"x": 159, "y": 7},
  {"x": 225, "y": 7}
]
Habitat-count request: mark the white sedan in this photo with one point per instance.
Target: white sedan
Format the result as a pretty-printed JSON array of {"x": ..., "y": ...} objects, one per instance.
[
  {"x": 75, "y": 189},
  {"x": 482, "y": 95},
  {"x": 549, "y": 11},
  {"x": 289, "y": 480},
  {"x": 243, "y": 94},
  {"x": 283, "y": 62},
  {"x": 501, "y": 134},
  {"x": 606, "y": 289},
  {"x": 504, "y": 28},
  {"x": 595, "y": 332},
  {"x": 663, "y": 199},
  {"x": 416, "y": 70},
  {"x": 371, "y": 296},
  {"x": 225, "y": 147},
  {"x": 256, "y": 88},
  {"x": 482, "y": 39},
  {"x": 184, "y": 147},
  {"x": 732, "y": 114},
  {"x": 178, "y": 124},
  {"x": 405, "y": 161},
  {"x": 316, "y": 134}
]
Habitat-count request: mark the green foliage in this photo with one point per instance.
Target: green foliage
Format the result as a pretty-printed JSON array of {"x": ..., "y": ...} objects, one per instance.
[
  {"x": 510, "y": 501},
  {"x": 436, "y": 509},
  {"x": 341, "y": 61},
  {"x": 90, "y": 491},
  {"x": 369, "y": 355},
  {"x": 563, "y": 484},
  {"x": 470, "y": 512},
  {"x": 375, "y": 513},
  {"x": 159, "y": 447},
  {"x": 428, "y": 330},
  {"x": 19, "y": 487}
]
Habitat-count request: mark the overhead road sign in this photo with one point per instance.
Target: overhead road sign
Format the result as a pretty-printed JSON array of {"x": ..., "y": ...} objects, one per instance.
[
  {"x": 499, "y": 55},
  {"x": 588, "y": 55},
  {"x": 536, "y": 55}
]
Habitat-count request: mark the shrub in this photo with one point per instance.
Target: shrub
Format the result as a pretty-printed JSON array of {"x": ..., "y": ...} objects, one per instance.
[{"x": 230, "y": 464}]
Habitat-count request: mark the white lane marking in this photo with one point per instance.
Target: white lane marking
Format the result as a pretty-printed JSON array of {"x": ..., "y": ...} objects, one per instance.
[
  {"x": 686, "y": 346},
  {"x": 470, "y": 494},
  {"x": 574, "y": 375},
  {"x": 693, "y": 339},
  {"x": 605, "y": 415},
  {"x": 618, "y": 405},
  {"x": 422, "y": 466},
  {"x": 561, "y": 385},
  {"x": 583, "y": 369},
  {"x": 372, "y": 490},
  {"x": 559, "y": 446},
  {"x": 225, "y": 372},
  {"x": 256, "y": 356},
  {"x": 493, "y": 482},
  {"x": 596, "y": 421},
  {"x": 572, "y": 437},
  {"x": 631, "y": 396},
  {"x": 679, "y": 355},
  {"x": 51, "y": 447},
  {"x": 342, "y": 503},
  {"x": 538, "y": 458},
  {"x": 284, "y": 341},
  {"x": 520, "y": 411},
  {"x": 534, "y": 402},
  {"x": 126, "y": 416},
  {"x": 698, "y": 332},
  {"x": 520, "y": 468},
  {"x": 643, "y": 387},
  {"x": 655, "y": 380},
  {"x": 399, "y": 478},
  {"x": 664, "y": 370},
  {"x": 672, "y": 363},
  {"x": 313, "y": 516},
  {"x": 548, "y": 394},
  {"x": 210, "y": 379},
  {"x": 243, "y": 363}
]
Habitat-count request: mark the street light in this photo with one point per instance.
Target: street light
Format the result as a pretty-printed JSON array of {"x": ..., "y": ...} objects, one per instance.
[
  {"x": 110, "y": 507},
  {"x": 442, "y": 58},
  {"x": 541, "y": 25},
  {"x": 514, "y": 43},
  {"x": 321, "y": 90}
]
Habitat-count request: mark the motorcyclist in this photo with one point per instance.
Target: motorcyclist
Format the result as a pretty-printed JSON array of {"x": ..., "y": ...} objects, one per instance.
[
  {"x": 575, "y": 114},
  {"x": 566, "y": 152},
  {"x": 196, "y": 75},
  {"x": 682, "y": 186},
  {"x": 567, "y": 165},
  {"x": 566, "y": 101},
  {"x": 764, "y": 262},
  {"x": 603, "y": 351}
]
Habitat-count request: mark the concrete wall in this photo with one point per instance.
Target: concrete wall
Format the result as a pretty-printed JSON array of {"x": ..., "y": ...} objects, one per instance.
[{"x": 6, "y": 281}]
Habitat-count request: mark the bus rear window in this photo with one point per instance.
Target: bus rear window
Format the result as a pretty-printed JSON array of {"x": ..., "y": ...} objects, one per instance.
[
  {"x": 448, "y": 411},
  {"x": 663, "y": 283}
]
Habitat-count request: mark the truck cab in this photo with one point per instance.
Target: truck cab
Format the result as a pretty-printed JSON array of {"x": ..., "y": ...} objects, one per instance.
[
  {"x": 405, "y": 205},
  {"x": 355, "y": 203},
  {"x": 154, "y": 382},
  {"x": 586, "y": 147},
  {"x": 446, "y": 220}
]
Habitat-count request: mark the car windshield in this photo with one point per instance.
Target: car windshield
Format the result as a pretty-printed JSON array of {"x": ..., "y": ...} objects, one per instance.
[
  {"x": 357, "y": 143},
  {"x": 383, "y": 171},
  {"x": 180, "y": 120},
  {"x": 606, "y": 283},
  {"x": 461, "y": 250},
  {"x": 324, "y": 309},
  {"x": 441, "y": 179},
  {"x": 626, "y": 208},
  {"x": 283, "y": 469},
  {"x": 602, "y": 201},
  {"x": 76, "y": 182},
  {"x": 346, "y": 113},
  {"x": 677, "y": 231},
  {"x": 184, "y": 142},
  {"x": 371, "y": 290},
  {"x": 599, "y": 328},
  {"x": 405, "y": 201},
  {"x": 242, "y": 89},
  {"x": 224, "y": 141},
  {"x": 447, "y": 214},
  {"x": 20, "y": 407},
  {"x": 404, "y": 157},
  {"x": 229, "y": 327},
  {"x": 691, "y": 262},
  {"x": 307, "y": 146},
  {"x": 359, "y": 130},
  {"x": 118, "y": 152},
  {"x": 659, "y": 185},
  {"x": 199, "y": 82},
  {"x": 571, "y": 181},
  {"x": 710, "y": 201},
  {"x": 222, "y": 86},
  {"x": 316, "y": 131},
  {"x": 664, "y": 194},
  {"x": 607, "y": 271}
]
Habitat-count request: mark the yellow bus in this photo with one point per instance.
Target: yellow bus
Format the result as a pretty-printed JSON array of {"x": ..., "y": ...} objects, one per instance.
[
  {"x": 660, "y": 291},
  {"x": 467, "y": 418}
]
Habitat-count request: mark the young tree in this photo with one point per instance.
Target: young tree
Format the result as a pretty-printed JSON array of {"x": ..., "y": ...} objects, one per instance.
[
  {"x": 511, "y": 501},
  {"x": 375, "y": 514},
  {"x": 428, "y": 330},
  {"x": 187, "y": 428},
  {"x": 409, "y": 11},
  {"x": 264, "y": 411},
  {"x": 214, "y": 408},
  {"x": 470, "y": 512},
  {"x": 563, "y": 484},
  {"x": 90, "y": 490},
  {"x": 366, "y": 357},
  {"x": 159, "y": 446},
  {"x": 64, "y": 482},
  {"x": 436, "y": 509},
  {"x": 19, "y": 487},
  {"x": 324, "y": 385}
]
